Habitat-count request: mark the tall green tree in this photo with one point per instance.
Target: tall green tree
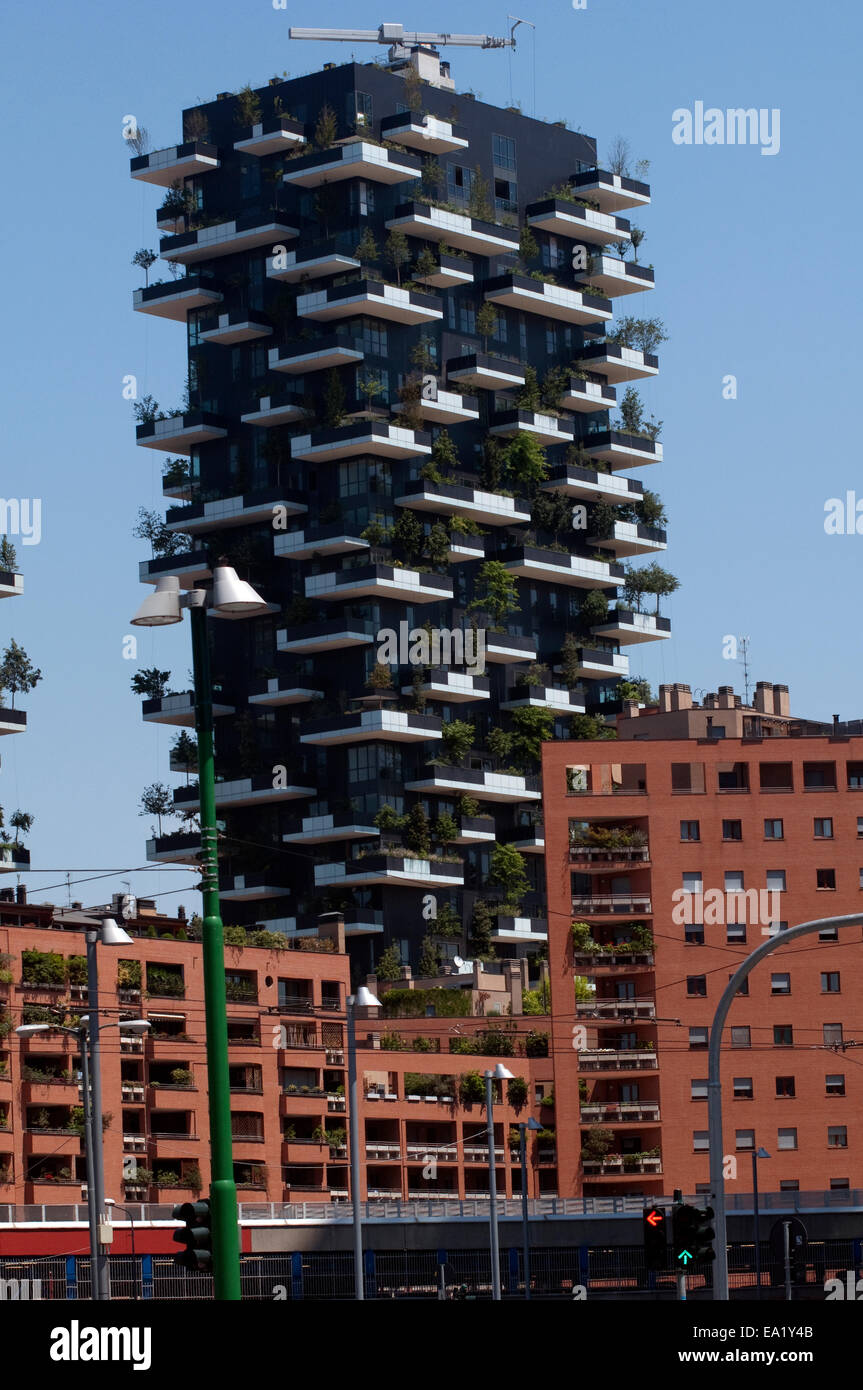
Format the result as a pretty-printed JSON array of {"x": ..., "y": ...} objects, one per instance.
[
  {"x": 18, "y": 675},
  {"x": 495, "y": 590}
]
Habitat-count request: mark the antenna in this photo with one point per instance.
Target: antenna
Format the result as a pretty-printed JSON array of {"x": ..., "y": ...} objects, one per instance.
[
  {"x": 397, "y": 36},
  {"x": 744, "y": 647}
]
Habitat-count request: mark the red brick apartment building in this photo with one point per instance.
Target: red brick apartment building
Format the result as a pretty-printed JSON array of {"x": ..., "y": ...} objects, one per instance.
[{"x": 714, "y": 800}]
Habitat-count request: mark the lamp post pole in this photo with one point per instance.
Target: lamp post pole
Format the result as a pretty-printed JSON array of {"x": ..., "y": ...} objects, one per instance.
[
  {"x": 525, "y": 1226},
  {"x": 101, "y": 1284},
  {"x": 492, "y": 1188},
  {"x": 92, "y": 1218},
  {"x": 354, "y": 1127},
  {"x": 223, "y": 1189}
]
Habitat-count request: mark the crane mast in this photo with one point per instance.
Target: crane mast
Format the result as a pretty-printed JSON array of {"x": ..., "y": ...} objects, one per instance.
[{"x": 397, "y": 36}]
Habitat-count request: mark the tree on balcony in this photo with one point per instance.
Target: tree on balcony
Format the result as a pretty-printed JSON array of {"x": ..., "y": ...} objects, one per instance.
[
  {"x": 407, "y": 535},
  {"x": 429, "y": 961},
  {"x": 156, "y": 800},
  {"x": 145, "y": 259},
  {"x": 397, "y": 252},
  {"x": 17, "y": 673},
  {"x": 486, "y": 322},
  {"x": 389, "y": 963},
  {"x": 658, "y": 581},
  {"x": 644, "y": 335},
  {"x": 417, "y": 833},
  {"x": 333, "y": 402},
  {"x": 495, "y": 590},
  {"x": 184, "y": 754},
  {"x": 8, "y": 555},
  {"x": 248, "y": 110},
  {"x": 526, "y": 463},
  {"x": 326, "y": 128},
  {"x": 471, "y": 1088},
  {"x": 531, "y": 728},
  {"x": 482, "y": 921},
  {"x": 366, "y": 250},
  {"x": 527, "y": 397},
  {"x": 506, "y": 871},
  {"x": 151, "y": 682},
  {"x": 597, "y": 1144}
]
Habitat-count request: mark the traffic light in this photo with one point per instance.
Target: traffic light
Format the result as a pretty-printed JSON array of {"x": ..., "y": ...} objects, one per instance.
[
  {"x": 655, "y": 1225},
  {"x": 692, "y": 1235},
  {"x": 197, "y": 1236}
]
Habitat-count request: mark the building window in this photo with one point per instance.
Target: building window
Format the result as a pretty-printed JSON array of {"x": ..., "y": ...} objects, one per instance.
[
  {"x": 467, "y": 316},
  {"x": 785, "y": 1087},
  {"x": 690, "y": 830},
  {"x": 783, "y": 1035},
  {"x": 831, "y": 1034},
  {"x": 837, "y": 1137},
  {"x": 744, "y": 987},
  {"x": 776, "y": 777},
  {"x": 829, "y": 934},
  {"x": 823, "y": 828},
  {"x": 698, "y": 1038},
  {"x": 825, "y": 879},
  {"x": 773, "y": 830},
  {"x": 819, "y": 776},
  {"x": 839, "y": 1184},
  {"x": 503, "y": 152},
  {"x": 700, "y": 1141},
  {"x": 830, "y": 982},
  {"x": 743, "y": 1088},
  {"x": 789, "y": 1185},
  {"x": 786, "y": 1139},
  {"x": 698, "y": 1090},
  {"x": 776, "y": 880},
  {"x": 780, "y": 984},
  {"x": 732, "y": 830},
  {"x": 834, "y": 1084},
  {"x": 744, "y": 1139},
  {"x": 854, "y": 773},
  {"x": 359, "y": 108},
  {"x": 735, "y": 931},
  {"x": 687, "y": 777},
  {"x": 740, "y": 1036},
  {"x": 696, "y": 986},
  {"x": 459, "y": 182},
  {"x": 732, "y": 777},
  {"x": 693, "y": 883},
  {"x": 860, "y": 827},
  {"x": 694, "y": 935},
  {"x": 505, "y": 195}
]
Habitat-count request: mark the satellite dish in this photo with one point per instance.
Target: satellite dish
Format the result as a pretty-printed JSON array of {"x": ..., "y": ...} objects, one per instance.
[
  {"x": 129, "y": 908},
  {"x": 457, "y": 962},
  {"x": 465, "y": 967}
]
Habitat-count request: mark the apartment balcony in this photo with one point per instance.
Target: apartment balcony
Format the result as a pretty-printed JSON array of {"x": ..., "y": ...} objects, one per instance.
[
  {"x": 375, "y": 437},
  {"x": 191, "y": 567},
  {"x": 240, "y": 326},
  {"x": 601, "y": 664},
  {"x": 284, "y": 409},
  {"x": 179, "y": 709},
  {"x": 380, "y": 582},
  {"x": 11, "y": 584},
  {"x": 320, "y": 354},
  {"x": 550, "y": 301},
  {"x": 616, "y": 362},
  {"x": 323, "y": 541},
  {"x": 506, "y": 648},
  {"x": 226, "y": 238},
  {"x": 617, "y": 277},
  {"x": 12, "y": 721},
  {"x": 449, "y": 499},
  {"x": 628, "y": 627},
  {"x": 174, "y": 299},
  {"x": 328, "y": 829},
  {"x": 373, "y": 299},
  {"x": 614, "y": 1059},
  {"x": 385, "y": 1152},
  {"x": 547, "y": 429},
  {"x": 566, "y": 219},
  {"x": 601, "y": 1010},
  {"x": 244, "y": 791},
  {"x": 276, "y": 691},
  {"x": 620, "y": 450},
  {"x": 275, "y": 135},
  {"x": 52, "y": 1141},
  {"x": 419, "y": 219},
  {"x": 586, "y": 396},
  {"x": 612, "y": 904},
  {"x": 483, "y": 372},
  {"x": 621, "y": 1166},
  {"x": 422, "y": 132},
  {"x": 577, "y": 571},
  {"x": 175, "y": 849},
  {"x": 515, "y": 929},
  {"x": 613, "y": 192},
  {"x": 371, "y": 725},
  {"x": 476, "y": 782},
  {"x": 443, "y": 408},
  {"x": 463, "y": 547},
  {"x": 14, "y": 859},
  {"x": 614, "y": 962},
  {"x": 177, "y": 162},
  {"x": 390, "y": 869},
  {"x": 450, "y": 272},
  {"x": 250, "y": 888},
  {"x": 593, "y": 486},
  {"x": 590, "y": 859},
  {"x": 552, "y": 697},
  {"x": 356, "y": 160},
  {"x": 623, "y": 1112},
  {"x": 452, "y": 687},
  {"x": 223, "y": 512},
  {"x": 178, "y": 433},
  {"x": 631, "y": 538},
  {"x": 476, "y": 830},
  {"x": 527, "y": 839},
  {"x": 336, "y": 634},
  {"x": 314, "y": 261}
]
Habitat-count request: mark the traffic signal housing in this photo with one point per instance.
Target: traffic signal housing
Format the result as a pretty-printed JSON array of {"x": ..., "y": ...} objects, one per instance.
[
  {"x": 692, "y": 1235},
  {"x": 197, "y": 1236},
  {"x": 655, "y": 1226}
]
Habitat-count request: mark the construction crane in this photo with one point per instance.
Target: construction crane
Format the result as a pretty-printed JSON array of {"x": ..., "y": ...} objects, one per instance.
[{"x": 397, "y": 37}]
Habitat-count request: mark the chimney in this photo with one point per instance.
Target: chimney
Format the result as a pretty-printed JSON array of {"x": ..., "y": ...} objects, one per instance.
[
  {"x": 629, "y": 709},
  {"x": 21, "y": 893},
  {"x": 77, "y": 907},
  {"x": 835, "y": 729},
  {"x": 764, "y": 697},
  {"x": 181, "y": 913},
  {"x": 331, "y": 927},
  {"x": 726, "y": 697},
  {"x": 781, "y": 700},
  {"x": 666, "y": 696},
  {"x": 681, "y": 696},
  {"x": 512, "y": 974}
]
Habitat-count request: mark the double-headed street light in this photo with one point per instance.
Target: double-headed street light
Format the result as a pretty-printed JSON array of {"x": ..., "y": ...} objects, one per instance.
[
  {"x": 500, "y": 1073},
  {"x": 363, "y": 999},
  {"x": 231, "y": 597},
  {"x": 529, "y": 1124}
]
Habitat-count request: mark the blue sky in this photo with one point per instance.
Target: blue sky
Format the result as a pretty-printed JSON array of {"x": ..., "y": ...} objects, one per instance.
[{"x": 754, "y": 259}]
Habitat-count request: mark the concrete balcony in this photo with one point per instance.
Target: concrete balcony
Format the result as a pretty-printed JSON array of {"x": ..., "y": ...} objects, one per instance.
[
  {"x": 177, "y": 162},
  {"x": 245, "y": 791},
  {"x": 175, "y": 849},
  {"x": 527, "y": 839},
  {"x": 626, "y": 1112},
  {"x": 313, "y": 262},
  {"x": 592, "y": 485},
  {"x": 11, "y": 584},
  {"x": 577, "y": 571},
  {"x": 371, "y": 725},
  {"x": 390, "y": 869},
  {"x": 504, "y": 648},
  {"x": 422, "y": 132},
  {"x": 542, "y": 697},
  {"x": 325, "y": 540},
  {"x": 476, "y": 830},
  {"x": 284, "y": 409},
  {"x": 179, "y": 709},
  {"x": 631, "y": 904},
  {"x": 372, "y": 298},
  {"x": 586, "y": 396},
  {"x": 335, "y": 635},
  {"x": 452, "y": 687},
  {"x": 462, "y": 547},
  {"x": 356, "y": 160},
  {"x": 613, "y": 192},
  {"x": 178, "y": 433},
  {"x": 631, "y": 538},
  {"x": 601, "y": 664},
  {"x": 616, "y": 277},
  {"x": 621, "y": 450},
  {"x": 376, "y": 437},
  {"x": 617, "y": 363},
  {"x": 250, "y": 888},
  {"x": 318, "y": 355},
  {"x": 12, "y": 721},
  {"x": 613, "y": 1009},
  {"x": 174, "y": 299},
  {"x": 515, "y": 929},
  {"x": 429, "y": 223},
  {"x": 191, "y": 567},
  {"x": 276, "y": 691},
  {"x": 450, "y": 272},
  {"x": 629, "y": 627},
  {"x": 378, "y": 581},
  {"x": 14, "y": 859},
  {"x": 570, "y": 219},
  {"x": 483, "y": 372},
  {"x": 549, "y": 301},
  {"x": 222, "y": 513},
  {"x": 226, "y": 238},
  {"x": 241, "y": 326},
  {"x": 442, "y": 407},
  {"x": 622, "y": 1166},
  {"x": 328, "y": 829},
  {"x": 275, "y": 135},
  {"x": 476, "y": 782},
  {"x": 547, "y": 429},
  {"x": 613, "y": 1059},
  {"x": 448, "y": 499}
]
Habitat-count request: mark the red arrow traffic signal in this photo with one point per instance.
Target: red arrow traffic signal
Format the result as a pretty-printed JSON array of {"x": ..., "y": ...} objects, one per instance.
[{"x": 654, "y": 1217}]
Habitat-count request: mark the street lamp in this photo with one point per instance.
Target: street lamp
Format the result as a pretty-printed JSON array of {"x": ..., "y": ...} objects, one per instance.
[
  {"x": 531, "y": 1124},
  {"x": 760, "y": 1152},
  {"x": 363, "y": 999},
  {"x": 231, "y": 597},
  {"x": 500, "y": 1073}
]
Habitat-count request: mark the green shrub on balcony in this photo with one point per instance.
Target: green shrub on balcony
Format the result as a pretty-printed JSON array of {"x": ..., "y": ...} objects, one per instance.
[
  {"x": 412, "y": 1003},
  {"x": 536, "y": 1001},
  {"x": 182, "y": 1076},
  {"x": 492, "y": 1043},
  {"x": 536, "y": 1044},
  {"x": 43, "y": 968},
  {"x": 516, "y": 1092},
  {"x": 582, "y": 940},
  {"x": 597, "y": 1144},
  {"x": 471, "y": 1088},
  {"x": 77, "y": 970},
  {"x": 240, "y": 991},
  {"x": 129, "y": 974},
  {"x": 419, "y": 1083},
  {"x": 161, "y": 980}
]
